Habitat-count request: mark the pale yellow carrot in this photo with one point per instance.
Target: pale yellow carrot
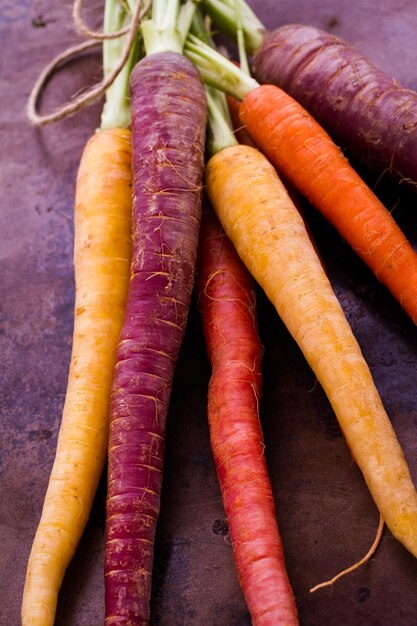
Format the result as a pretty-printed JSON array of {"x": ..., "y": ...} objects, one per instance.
[{"x": 270, "y": 237}]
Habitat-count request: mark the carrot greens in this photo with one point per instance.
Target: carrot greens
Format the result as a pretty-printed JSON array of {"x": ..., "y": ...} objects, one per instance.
[
  {"x": 116, "y": 110},
  {"x": 224, "y": 14}
]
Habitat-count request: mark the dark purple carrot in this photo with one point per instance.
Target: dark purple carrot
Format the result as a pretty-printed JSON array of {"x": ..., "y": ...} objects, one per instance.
[
  {"x": 168, "y": 107},
  {"x": 363, "y": 109}
]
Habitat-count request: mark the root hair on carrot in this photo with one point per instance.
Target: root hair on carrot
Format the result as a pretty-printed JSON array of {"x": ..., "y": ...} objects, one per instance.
[{"x": 356, "y": 565}]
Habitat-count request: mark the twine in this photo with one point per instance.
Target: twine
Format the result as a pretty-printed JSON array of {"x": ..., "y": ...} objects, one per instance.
[
  {"x": 83, "y": 30},
  {"x": 92, "y": 94}
]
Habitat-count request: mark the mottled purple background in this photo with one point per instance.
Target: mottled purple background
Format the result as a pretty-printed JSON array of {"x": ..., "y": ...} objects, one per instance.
[{"x": 326, "y": 516}]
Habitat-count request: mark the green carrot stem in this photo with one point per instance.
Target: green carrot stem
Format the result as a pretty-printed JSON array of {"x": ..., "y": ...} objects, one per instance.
[
  {"x": 220, "y": 134},
  {"x": 224, "y": 15},
  {"x": 243, "y": 60},
  {"x": 217, "y": 71},
  {"x": 186, "y": 18},
  {"x": 116, "y": 110},
  {"x": 161, "y": 33}
]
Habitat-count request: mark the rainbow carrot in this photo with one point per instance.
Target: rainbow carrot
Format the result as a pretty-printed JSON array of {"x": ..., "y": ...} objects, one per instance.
[
  {"x": 102, "y": 254},
  {"x": 226, "y": 299},
  {"x": 270, "y": 237},
  {"x": 168, "y": 130}
]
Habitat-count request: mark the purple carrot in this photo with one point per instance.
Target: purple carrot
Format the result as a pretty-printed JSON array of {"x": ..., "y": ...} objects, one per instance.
[
  {"x": 362, "y": 108},
  {"x": 168, "y": 107}
]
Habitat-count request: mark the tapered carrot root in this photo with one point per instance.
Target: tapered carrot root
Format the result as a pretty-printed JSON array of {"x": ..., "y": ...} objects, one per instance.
[
  {"x": 303, "y": 152},
  {"x": 227, "y": 304},
  {"x": 168, "y": 130},
  {"x": 102, "y": 251},
  {"x": 271, "y": 239}
]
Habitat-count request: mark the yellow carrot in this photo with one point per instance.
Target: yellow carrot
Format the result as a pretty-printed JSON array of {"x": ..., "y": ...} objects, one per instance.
[
  {"x": 102, "y": 253},
  {"x": 270, "y": 237}
]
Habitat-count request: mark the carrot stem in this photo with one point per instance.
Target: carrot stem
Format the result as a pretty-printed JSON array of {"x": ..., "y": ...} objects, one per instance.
[
  {"x": 243, "y": 60},
  {"x": 223, "y": 13},
  {"x": 221, "y": 134},
  {"x": 116, "y": 110},
  {"x": 186, "y": 18},
  {"x": 161, "y": 33},
  {"x": 216, "y": 70}
]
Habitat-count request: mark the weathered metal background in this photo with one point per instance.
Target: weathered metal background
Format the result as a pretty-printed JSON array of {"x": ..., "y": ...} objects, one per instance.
[{"x": 326, "y": 516}]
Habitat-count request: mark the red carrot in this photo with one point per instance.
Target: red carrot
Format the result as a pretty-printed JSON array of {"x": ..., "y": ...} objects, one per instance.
[
  {"x": 168, "y": 127},
  {"x": 227, "y": 305}
]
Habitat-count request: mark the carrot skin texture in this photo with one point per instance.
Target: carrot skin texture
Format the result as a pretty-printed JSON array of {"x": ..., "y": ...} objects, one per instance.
[
  {"x": 239, "y": 129},
  {"x": 361, "y": 107},
  {"x": 303, "y": 152},
  {"x": 102, "y": 254},
  {"x": 243, "y": 137},
  {"x": 270, "y": 237},
  {"x": 168, "y": 130},
  {"x": 227, "y": 302}
]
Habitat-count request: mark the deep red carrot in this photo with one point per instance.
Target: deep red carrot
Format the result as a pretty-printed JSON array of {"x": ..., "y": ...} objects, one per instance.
[
  {"x": 226, "y": 300},
  {"x": 168, "y": 128}
]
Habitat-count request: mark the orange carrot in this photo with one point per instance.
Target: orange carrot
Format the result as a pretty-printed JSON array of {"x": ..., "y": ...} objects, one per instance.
[
  {"x": 303, "y": 152},
  {"x": 227, "y": 306}
]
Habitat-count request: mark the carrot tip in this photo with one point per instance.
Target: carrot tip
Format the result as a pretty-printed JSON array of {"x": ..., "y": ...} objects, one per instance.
[{"x": 366, "y": 558}]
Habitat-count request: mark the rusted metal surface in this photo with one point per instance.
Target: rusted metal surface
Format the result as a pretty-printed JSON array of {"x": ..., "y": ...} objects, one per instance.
[{"x": 326, "y": 516}]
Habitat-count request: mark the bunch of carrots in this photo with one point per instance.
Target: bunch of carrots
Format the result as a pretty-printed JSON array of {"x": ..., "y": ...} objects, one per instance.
[{"x": 146, "y": 235}]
